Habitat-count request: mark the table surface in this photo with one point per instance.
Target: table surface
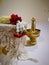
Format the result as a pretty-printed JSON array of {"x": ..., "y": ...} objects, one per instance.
[{"x": 41, "y": 50}]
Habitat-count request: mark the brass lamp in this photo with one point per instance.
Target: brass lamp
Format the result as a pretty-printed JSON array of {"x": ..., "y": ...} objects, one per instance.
[{"x": 32, "y": 33}]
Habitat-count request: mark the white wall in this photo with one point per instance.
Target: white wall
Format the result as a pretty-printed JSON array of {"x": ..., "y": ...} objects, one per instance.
[{"x": 26, "y": 9}]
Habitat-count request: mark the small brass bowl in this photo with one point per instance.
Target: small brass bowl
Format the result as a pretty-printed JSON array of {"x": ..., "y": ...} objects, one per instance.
[{"x": 36, "y": 33}]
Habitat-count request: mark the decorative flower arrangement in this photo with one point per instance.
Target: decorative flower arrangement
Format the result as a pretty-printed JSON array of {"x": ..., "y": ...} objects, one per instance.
[
  {"x": 20, "y": 30},
  {"x": 14, "y": 18}
]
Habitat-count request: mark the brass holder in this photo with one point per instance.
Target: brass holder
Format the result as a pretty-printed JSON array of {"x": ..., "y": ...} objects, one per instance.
[{"x": 32, "y": 33}]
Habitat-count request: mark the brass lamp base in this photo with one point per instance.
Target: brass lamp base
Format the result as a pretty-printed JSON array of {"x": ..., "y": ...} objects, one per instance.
[
  {"x": 31, "y": 43},
  {"x": 32, "y": 35}
]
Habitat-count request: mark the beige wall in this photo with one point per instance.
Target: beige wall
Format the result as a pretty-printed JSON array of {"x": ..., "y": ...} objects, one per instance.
[
  {"x": 0, "y": 8},
  {"x": 27, "y": 9}
]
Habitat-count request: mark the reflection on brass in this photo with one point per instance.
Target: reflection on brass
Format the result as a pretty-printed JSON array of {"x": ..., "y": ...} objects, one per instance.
[
  {"x": 33, "y": 24},
  {"x": 4, "y": 51},
  {"x": 0, "y": 50},
  {"x": 32, "y": 33}
]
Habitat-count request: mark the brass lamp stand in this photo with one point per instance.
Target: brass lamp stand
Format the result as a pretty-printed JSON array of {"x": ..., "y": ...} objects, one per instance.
[{"x": 32, "y": 33}]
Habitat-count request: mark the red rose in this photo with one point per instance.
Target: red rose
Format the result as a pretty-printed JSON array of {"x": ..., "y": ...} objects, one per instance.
[
  {"x": 14, "y": 18},
  {"x": 20, "y": 19}
]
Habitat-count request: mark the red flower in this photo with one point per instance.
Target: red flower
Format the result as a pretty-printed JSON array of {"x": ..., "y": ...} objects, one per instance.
[
  {"x": 14, "y": 18},
  {"x": 20, "y": 19},
  {"x": 19, "y": 35}
]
